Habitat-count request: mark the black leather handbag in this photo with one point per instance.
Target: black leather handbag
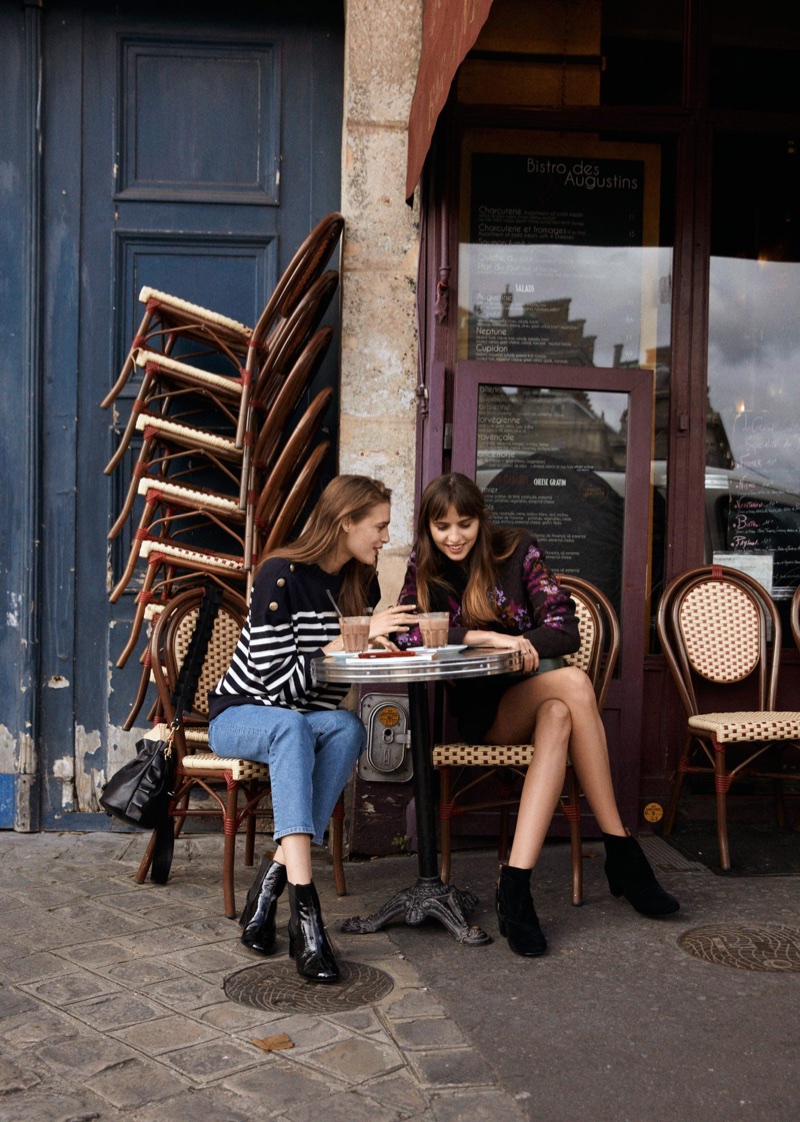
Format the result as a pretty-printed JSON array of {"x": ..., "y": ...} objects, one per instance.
[{"x": 139, "y": 792}]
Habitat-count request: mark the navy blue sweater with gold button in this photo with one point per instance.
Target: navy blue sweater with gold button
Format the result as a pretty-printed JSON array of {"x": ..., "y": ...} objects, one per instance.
[{"x": 291, "y": 617}]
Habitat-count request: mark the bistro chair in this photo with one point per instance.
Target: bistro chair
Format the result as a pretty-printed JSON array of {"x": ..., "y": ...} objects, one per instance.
[
  {"x": 234, "y": 790},
  {"x": 168, "y": 319},
  {"x": 721, "y": 633},
  {"x": 458, "y": 762}
]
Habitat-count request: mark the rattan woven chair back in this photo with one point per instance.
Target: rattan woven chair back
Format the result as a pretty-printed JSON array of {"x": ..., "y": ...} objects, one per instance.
[{"x": 713, "y": 624}]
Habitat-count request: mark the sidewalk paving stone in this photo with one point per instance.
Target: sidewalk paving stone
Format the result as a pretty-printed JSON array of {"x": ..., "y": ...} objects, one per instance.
[
  {"x": 133, "y": 1084},
  {"x": 428, "y": 1032},
  {"x": 452, "y": 1068},
  {"x": 343, "y": 1107},
  {"x": 88, "y": 1053},
  {"x": 355, "y": 1059},
  {"x": 165, "y": 1034},
  {"x": 213, "y": 1059}
]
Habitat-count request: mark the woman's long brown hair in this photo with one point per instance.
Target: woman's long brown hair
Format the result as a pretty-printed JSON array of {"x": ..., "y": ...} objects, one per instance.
[
  {"x": 346, "y": 498},
  {"x": 492, "y": 545}
]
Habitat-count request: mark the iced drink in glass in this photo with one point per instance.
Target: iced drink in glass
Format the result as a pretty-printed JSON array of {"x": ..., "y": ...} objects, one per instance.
[
  {"x": 355, "y": 632},
  {"x": 433, "y": 627}
]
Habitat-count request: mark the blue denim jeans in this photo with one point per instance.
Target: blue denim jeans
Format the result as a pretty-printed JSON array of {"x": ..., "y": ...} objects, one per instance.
[{"x": 310, "y": 757}]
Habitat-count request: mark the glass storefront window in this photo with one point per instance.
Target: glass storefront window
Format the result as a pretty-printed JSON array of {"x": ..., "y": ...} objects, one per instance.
[
  {"x": 753, "y": 466},
  {"x": 754, "y": 55},
  {"x": 559, "y": 257},
  {"x": 565, "y": 260},
  {"x": 642, "y": 47}
]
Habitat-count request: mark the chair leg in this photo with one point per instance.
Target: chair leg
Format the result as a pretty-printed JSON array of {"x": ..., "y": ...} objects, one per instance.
[
  {"x": 141, "y": 693},
  {"x": 337, "y": 847},
  {"x": 680, "y": 772},
  {"x": 780, "y": 805},
  {"x": 502, "y": 840},
  {"x": 445, "y": 818},
  {"x": 250, "y": 836},
  {"x": 141, "y": 604},
  {"x": 146, "y": 861},
  {"x": 572, "y": 810},
  {"x": 722, "y": 782},
  {"x": 125, "y": 373},
  {"x": 229, "y": 829}
]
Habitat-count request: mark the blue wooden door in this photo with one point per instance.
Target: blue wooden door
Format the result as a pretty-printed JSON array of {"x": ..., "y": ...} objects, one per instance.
[{"x": 187, "y": 148}]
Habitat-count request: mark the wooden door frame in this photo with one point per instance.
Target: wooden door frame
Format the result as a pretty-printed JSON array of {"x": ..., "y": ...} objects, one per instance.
[{"x": 625, "y": 694}]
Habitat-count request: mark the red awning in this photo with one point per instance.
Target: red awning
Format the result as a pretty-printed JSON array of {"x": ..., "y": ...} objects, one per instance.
[{"x": 449, "y": 30}]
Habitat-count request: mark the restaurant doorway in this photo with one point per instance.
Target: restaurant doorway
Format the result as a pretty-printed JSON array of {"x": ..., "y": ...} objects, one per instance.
[{"x": 565, "y": 451}]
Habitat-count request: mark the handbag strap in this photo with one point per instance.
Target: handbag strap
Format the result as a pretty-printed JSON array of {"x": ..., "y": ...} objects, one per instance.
[
  {"x": 189, "y": 676},
  {"x": 182, "y": 698}
]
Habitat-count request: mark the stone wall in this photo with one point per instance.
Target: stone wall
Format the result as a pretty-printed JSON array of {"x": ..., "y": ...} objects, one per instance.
[{"x": 377, "y": 432}]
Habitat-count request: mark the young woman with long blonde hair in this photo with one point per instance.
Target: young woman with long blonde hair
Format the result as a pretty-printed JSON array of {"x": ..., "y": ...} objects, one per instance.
[{"x": 267, "y": 708}]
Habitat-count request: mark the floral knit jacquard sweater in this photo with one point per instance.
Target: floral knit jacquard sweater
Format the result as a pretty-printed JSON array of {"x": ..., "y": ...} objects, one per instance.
[
  {"x": 529, "y": 603},
  {"x": 527, "y": 596}
]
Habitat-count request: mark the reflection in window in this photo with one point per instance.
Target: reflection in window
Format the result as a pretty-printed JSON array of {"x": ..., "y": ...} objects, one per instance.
[{"x": 753, "y": 503}]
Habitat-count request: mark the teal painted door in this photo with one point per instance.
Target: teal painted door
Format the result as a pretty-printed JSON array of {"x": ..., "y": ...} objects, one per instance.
[{"x": 187, "y": 148}]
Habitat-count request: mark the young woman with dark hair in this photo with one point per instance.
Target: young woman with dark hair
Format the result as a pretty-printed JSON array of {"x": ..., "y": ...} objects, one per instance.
[
  {"x": 499, "y": 592},
  {"x": 267, "y": 708}
]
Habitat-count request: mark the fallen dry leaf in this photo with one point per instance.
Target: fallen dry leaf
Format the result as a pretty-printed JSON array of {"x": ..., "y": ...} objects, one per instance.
[{"x": 275, "y": 1043}]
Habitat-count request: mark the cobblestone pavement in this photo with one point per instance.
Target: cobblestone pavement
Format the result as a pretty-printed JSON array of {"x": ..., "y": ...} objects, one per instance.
[{"x": 113, "y": 1004}]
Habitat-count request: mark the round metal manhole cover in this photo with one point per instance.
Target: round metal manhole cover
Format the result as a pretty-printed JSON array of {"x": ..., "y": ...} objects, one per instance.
[
  {"x": 772, "y": 947},
  {"x": 278, "y": 986}
]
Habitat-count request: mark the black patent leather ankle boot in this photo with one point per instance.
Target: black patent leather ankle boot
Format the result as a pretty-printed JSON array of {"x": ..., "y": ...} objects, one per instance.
[
  {"x": 630, "y": 875},
  {"x": 308, "y": 941},
  {"x": 258, "y": 915},
  {"x": 516, "y": 915}
]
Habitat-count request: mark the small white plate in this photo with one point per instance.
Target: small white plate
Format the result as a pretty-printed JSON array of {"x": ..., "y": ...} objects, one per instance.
[
  {"x": 450, "y": 648},
  {"x": 391, "y": 657}
]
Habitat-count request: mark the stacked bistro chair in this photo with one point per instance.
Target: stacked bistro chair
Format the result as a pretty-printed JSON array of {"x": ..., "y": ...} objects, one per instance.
[
  {"x": 221, "y": 471},
  {"x": 196, "y": 474},
  {"x": 721, "y": 633},
  {"x": 168, "y": 319},
  {"x": 236, "y": 790},
  {"x": 458, "y": 762}
]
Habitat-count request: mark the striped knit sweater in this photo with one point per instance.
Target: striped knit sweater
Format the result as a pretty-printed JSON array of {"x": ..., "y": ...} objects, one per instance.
[{"x": 291, "y": 617}]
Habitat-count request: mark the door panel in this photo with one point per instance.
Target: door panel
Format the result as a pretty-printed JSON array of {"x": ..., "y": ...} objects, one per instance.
[
  {"x": 182, "y": 156},
  {"x": 565, "y": 452}
]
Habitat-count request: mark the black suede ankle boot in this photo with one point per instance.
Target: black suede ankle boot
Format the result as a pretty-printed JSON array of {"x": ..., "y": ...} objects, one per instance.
[
  {"x": 258, "y": 914},
  {"x": 308, "y": 941},
  {"x": 516, "y": 915},
  {"x": 630, "y": 875}
]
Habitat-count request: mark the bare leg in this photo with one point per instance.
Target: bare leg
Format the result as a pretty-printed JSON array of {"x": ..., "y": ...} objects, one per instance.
[
  {"x": 295, "y": 852},
  {"x": 517, "y": 721},
  {"x": 545, "y": 776}
]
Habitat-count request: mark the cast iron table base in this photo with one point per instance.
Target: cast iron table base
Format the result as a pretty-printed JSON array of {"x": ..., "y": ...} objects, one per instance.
[{"x": 430, "y": 898}]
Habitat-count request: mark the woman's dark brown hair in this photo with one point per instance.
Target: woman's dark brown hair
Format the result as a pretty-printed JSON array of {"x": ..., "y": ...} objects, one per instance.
[
  {"x": 493, "y": 545},
  {"x": 347, "y": 498}
]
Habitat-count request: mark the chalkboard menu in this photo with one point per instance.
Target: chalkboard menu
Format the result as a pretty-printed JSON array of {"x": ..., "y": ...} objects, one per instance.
[
  {"x": 549, "y": 230},
  {"x": 764, "y": 518},
  {"x": 549, "y": 462}
]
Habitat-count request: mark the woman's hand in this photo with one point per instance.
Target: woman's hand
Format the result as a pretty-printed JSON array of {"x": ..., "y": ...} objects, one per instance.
[
  {"x": 398, "y": 617},
  {"x": 530, "y": 656}
]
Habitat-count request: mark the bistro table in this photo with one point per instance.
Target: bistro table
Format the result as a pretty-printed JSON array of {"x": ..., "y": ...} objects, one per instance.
[{"x": 429, "y": 896}]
